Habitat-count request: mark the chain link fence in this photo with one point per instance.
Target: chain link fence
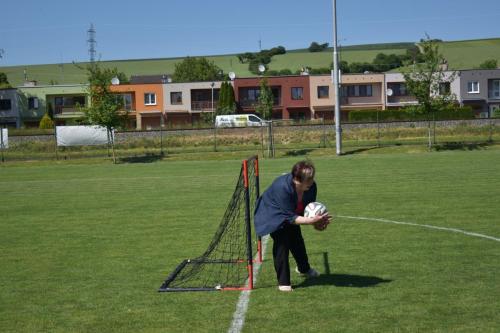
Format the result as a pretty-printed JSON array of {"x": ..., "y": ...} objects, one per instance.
[{"x": 275, "y": 139}]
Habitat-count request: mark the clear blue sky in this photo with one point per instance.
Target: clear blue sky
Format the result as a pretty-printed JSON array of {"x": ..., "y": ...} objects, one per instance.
[{"x": 43, "y": 32}]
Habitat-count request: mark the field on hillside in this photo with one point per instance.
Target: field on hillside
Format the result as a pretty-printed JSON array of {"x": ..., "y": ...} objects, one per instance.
[
  {"x": 460, "y": 55},
  {"x": 85, "y": 247}
]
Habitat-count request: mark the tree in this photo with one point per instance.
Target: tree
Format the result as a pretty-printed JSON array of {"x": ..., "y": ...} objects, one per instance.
[
  {"x": 4, "y": 82},
  {"x": 489, "y": 64},
  {"x": 105, "y": 108},
  {"x": 227, "y": 103},
  {"x": 265, "y": 101},
  {"x": 315, "y": 47},
  {"x": 196, "y": 69},
  {"x": 424, "y": 79}
]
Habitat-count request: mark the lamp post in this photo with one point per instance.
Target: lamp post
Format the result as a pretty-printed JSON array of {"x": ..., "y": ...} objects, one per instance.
[
  {"x": 213, "y": 116},
  {"x": 338, "y": 128}
]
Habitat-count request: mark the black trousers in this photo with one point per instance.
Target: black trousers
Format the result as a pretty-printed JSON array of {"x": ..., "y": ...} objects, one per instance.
[{"x": 288, "y": 239}]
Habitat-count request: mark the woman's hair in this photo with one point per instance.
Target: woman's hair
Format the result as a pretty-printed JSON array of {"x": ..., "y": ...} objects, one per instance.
[{"x": 303, "y": 171}]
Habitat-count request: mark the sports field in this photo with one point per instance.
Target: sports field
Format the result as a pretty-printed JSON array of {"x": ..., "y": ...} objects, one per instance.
[{"x": 84, "y": 247}]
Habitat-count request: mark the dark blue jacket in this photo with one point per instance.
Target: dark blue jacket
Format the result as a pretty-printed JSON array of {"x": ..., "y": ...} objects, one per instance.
[{"x": 278, "y": 203}]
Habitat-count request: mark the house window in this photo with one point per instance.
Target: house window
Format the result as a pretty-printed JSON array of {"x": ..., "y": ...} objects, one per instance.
[
  {"x": 363, "y": 90},
  {"x": 79, "y": 100},
  {"x": 150, "y": 99},
  {"x": 444, "y": 88},
  {"x": 495, "y": 89},
  {"x": 398, "y": 89},
  {"x": 125, "y": 100},
  {"x": 323, "y": 91},
  {"x": 473, "y": 87},
  {"x": 176, "y": 98},
  {"x": 297, "y": 93},
  {"x": 33, "y": 103},
  {"x": 5, "y": 104},
  {"x": 250, "y": 94}
]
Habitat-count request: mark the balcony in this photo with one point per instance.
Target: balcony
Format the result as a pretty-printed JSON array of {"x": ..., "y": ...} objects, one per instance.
[
  {"x": 67, "y": 111},
  {"x": 204, "y": 106},
  {"x": 401, "y": 100}
]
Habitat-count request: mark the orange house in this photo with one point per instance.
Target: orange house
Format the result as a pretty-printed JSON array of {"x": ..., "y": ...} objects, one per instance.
[{"x": 142, "y": 102}]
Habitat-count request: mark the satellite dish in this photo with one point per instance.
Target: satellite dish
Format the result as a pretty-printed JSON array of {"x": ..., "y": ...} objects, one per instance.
[
  {"x": 115, "y": 81},
  {"x": 232, "y": 75},
  {"x": 262, "y": 68},
  {"x": 389, "y": 92}
]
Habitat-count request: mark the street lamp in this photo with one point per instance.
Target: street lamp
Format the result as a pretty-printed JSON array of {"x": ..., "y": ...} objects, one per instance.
[{"x": 212, "y": 86}]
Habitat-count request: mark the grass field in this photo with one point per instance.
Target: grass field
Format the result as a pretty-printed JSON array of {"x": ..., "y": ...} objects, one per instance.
[
  {"x": 85, "y": 246},
  {"x": 460, "y": 55}
]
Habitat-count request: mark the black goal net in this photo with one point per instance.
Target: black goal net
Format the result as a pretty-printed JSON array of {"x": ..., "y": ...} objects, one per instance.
[{"x": 227, "y": 264}]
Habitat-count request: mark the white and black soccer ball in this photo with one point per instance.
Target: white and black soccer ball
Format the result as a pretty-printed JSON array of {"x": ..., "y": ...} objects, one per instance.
[{"x": 314, "y": 208}]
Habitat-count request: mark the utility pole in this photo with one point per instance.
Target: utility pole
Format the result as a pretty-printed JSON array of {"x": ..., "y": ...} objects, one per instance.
[{"x": 336, "y": 73}]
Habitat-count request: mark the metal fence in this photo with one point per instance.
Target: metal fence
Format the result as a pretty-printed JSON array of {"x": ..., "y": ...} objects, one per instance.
[{"x": 278, "y": 139}]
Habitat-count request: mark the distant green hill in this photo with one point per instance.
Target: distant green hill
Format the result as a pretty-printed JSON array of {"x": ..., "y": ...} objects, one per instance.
[{"x": 465, "y": 54}]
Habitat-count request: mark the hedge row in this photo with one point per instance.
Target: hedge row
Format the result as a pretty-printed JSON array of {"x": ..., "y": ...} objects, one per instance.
[{"x": 395, "y": 115}]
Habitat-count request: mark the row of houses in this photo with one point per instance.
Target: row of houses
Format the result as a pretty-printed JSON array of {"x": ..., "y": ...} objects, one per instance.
[{"x": 152, "y": 101}]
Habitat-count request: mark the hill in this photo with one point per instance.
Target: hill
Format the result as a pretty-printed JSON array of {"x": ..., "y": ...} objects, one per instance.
[{"x": 464, "y": 54}]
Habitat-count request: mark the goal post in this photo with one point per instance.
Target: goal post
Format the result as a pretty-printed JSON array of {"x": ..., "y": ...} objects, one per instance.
[{"x": 227, "y": 264}]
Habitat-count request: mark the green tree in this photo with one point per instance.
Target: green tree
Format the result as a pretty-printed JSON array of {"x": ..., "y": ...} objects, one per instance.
[
  {"x": 227, "y": 103},
  {"x": 104, "y": 109},
  {"x": 46, "y": 122},
  {"x": 489, "y": 64},
  {"x": 265, "y": 101},
  {"x": 196, "y": 69},
  {"x": 423, "y": 81},
  {"x": 4, "y": 82}
]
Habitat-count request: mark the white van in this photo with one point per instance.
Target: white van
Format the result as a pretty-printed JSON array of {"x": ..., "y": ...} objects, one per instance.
[{"x": 238, "y": 120}]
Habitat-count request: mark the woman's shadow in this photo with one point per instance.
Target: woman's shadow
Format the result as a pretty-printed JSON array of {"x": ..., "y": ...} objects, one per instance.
[{"x": 341, "y": 280}]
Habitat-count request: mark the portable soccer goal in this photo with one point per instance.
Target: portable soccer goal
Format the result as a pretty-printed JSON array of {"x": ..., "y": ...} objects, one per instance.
[{"x": 227, "y": 264}]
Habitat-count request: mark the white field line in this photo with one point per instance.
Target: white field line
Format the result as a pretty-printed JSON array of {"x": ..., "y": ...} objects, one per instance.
[
  {"x": 242, "y": 306},
  {"x": 421, "y": 225}
]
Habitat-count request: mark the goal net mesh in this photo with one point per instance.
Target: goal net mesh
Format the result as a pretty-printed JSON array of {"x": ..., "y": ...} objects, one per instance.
[{"x": 227, "y": 262}]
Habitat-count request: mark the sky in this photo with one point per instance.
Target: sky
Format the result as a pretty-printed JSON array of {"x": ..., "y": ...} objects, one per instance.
[{"x": 55, "y": 31}]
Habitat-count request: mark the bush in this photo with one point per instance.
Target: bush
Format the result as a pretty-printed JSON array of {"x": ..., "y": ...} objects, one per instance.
[
  {"x": 409, "y": 114},
  {"x": 46, "y": 122}
]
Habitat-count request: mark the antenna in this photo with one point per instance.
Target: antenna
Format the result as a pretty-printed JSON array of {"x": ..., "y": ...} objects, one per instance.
[
  {"x": 2, "y": 52},
  {"x": 91, "y": 42},
  {"x": 232, "y": 75},
  {"x": 262, "y": 68}
]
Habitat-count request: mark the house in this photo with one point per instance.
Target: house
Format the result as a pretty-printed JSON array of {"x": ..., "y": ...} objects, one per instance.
[
  {"x": 362, "y": 92},
  {"x": 322, "y": 97},
  {"x": 480, "y": 89},
  {"x": 187, "y": 103},
  {"x": 291, "y": 96},
  {"x": 63, "y": 103},
  {"x": 142, "y": 102},
  {"x": 9, "y": 108}
]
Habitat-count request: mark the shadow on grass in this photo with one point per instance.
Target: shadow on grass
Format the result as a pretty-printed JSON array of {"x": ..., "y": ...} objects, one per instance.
[
  {"x": 298, "y": 152},
  {"x": 141, "y": 159},
  {"x": 461, "y": 146},
  {"x": 341, "y": 280},
  {"x": 359, "y": 150}
]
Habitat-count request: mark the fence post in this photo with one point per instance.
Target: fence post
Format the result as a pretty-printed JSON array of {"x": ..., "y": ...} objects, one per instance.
[
  {"x": 55, "y": 139},
  {"x": 161, "y": 135},
  {"x": 378, "y": 130},
  {"x": 215, "y": 137},
  {"x": 1, "y": 143}
]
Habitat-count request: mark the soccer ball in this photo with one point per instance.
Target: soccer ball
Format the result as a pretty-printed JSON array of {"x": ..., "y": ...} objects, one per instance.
[{"x": 314, "y": 208}]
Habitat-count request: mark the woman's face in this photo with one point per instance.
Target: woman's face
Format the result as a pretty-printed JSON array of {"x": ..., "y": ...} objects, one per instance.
[{"x": 303, "y": 186}]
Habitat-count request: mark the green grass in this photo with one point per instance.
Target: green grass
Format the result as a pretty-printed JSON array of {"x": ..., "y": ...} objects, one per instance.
[
  {"x": 85, "y": 246},
  {"x": 460, "y": 55}
]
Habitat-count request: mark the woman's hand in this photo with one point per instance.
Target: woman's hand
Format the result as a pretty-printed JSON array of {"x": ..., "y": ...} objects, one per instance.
[{"x": 323, "y": 222}]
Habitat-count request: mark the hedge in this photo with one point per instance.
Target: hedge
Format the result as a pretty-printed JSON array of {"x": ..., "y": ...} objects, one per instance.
[{"x": 401, "y": 115}]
